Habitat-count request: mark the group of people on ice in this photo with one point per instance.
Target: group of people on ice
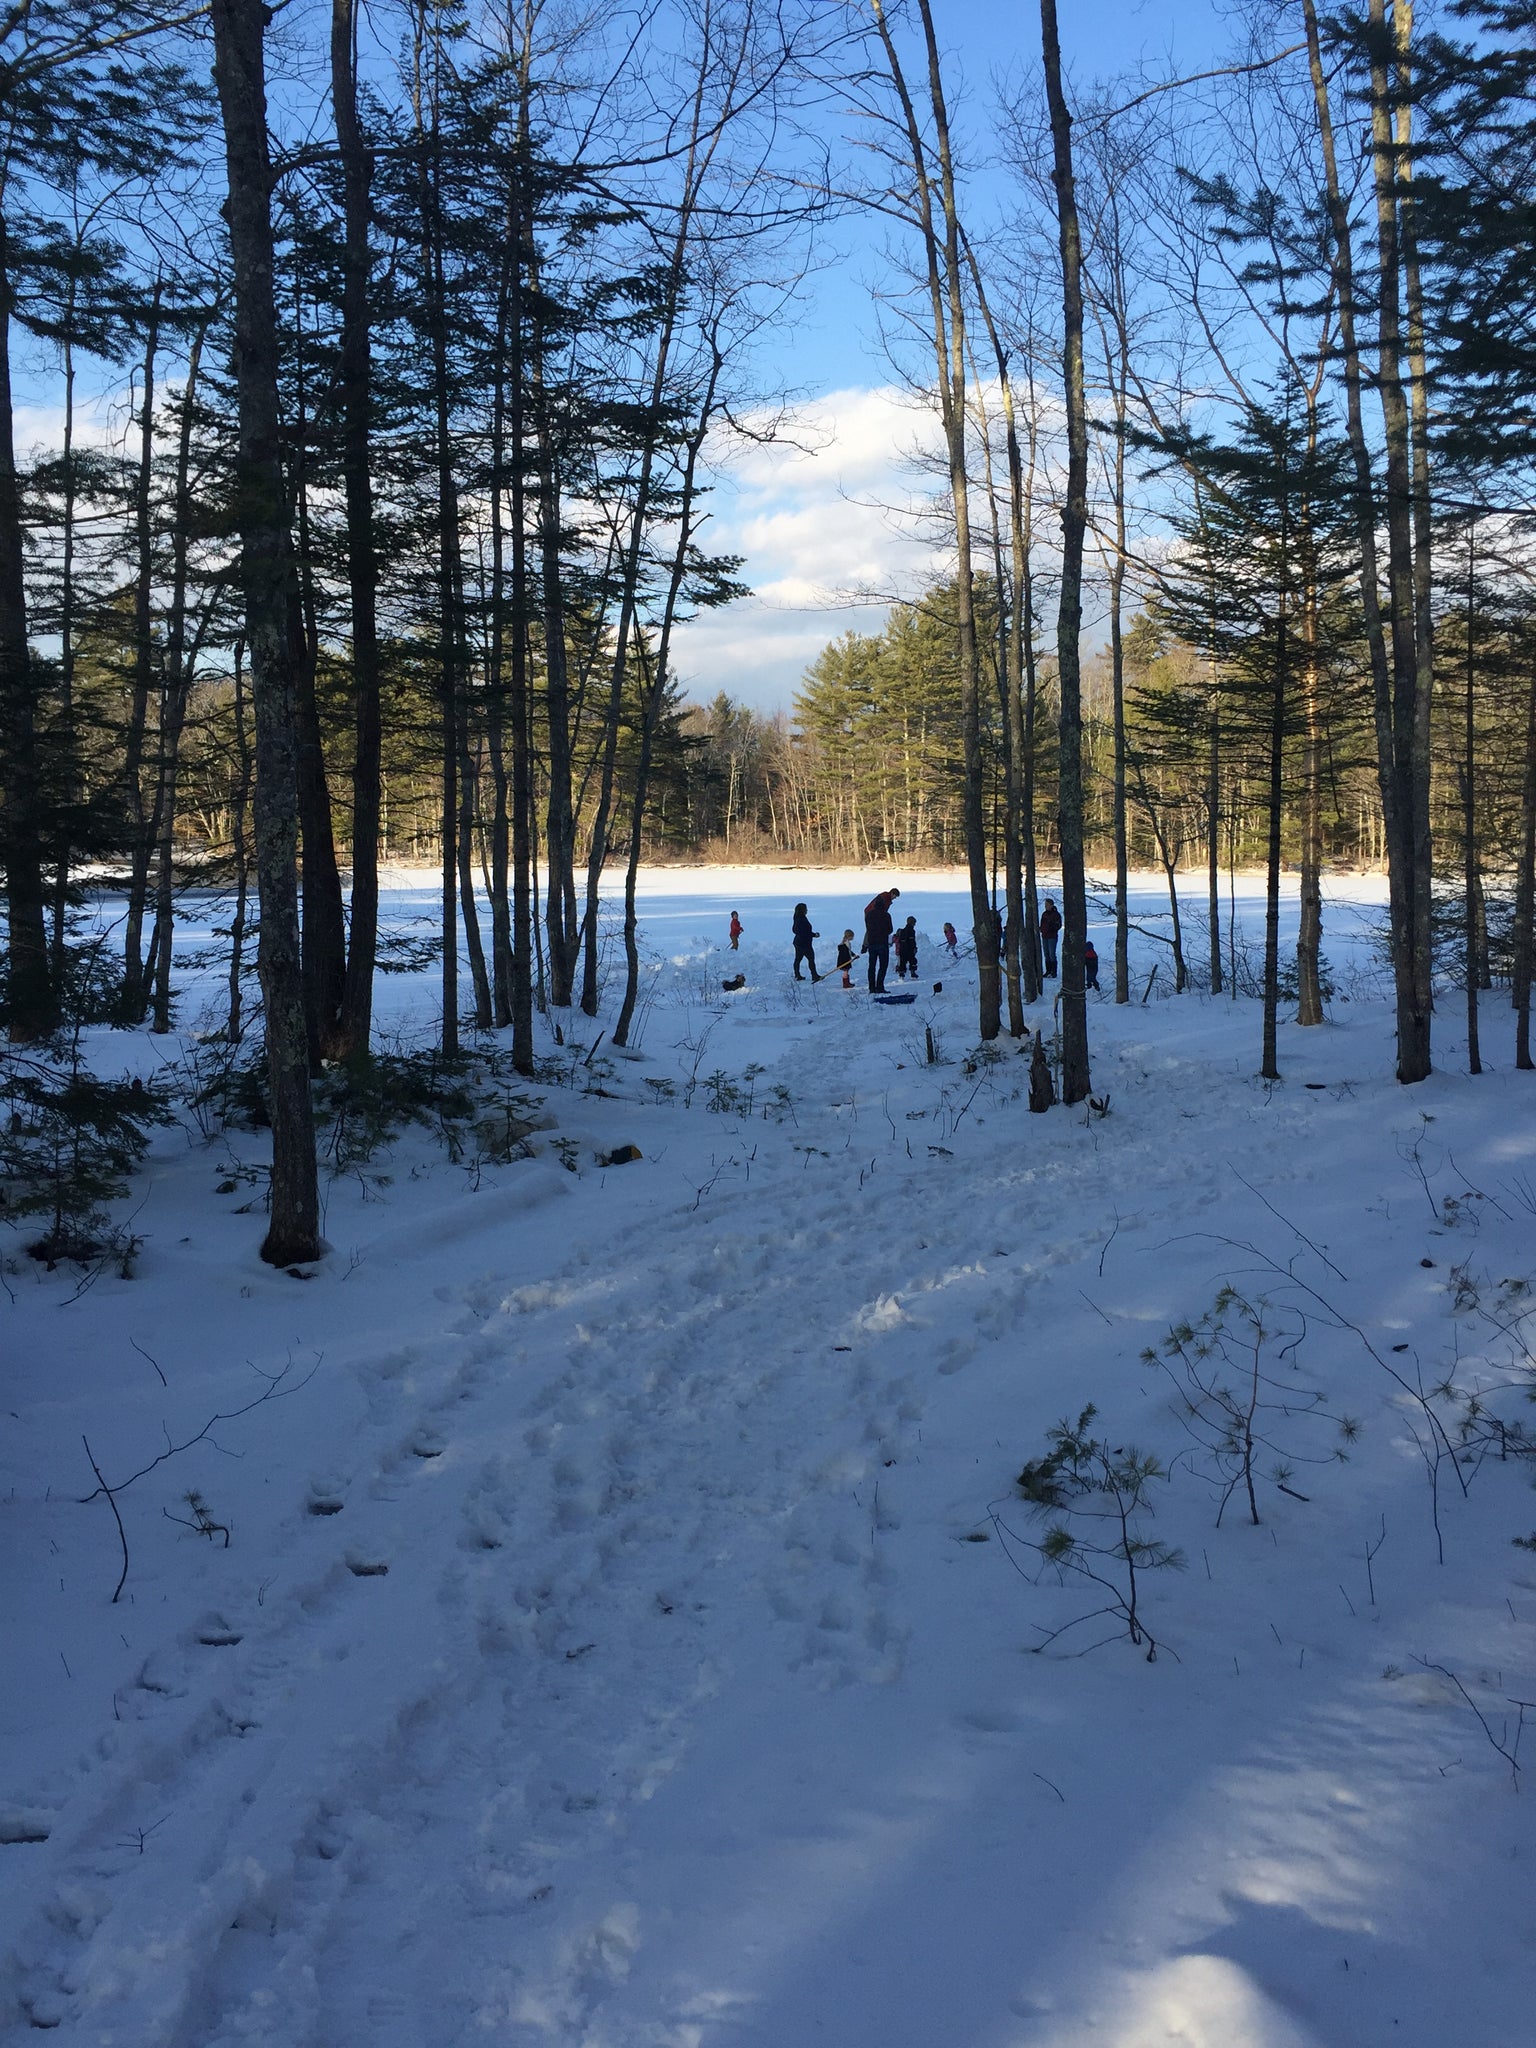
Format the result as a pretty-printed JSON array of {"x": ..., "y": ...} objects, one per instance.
[{"x": 881, "y": 932}]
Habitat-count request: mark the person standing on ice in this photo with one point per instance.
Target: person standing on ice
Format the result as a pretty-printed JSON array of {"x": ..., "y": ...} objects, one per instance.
[
  {"x": 951, "y": 942},
  {"x": 804, "y": 947},
  {"x": 906, "y": 950},
  {"x": 877, "y": 938},
  {"x": 1050, "y": 931},
  {"x": 736, "y": 931},
  {"x": 846, "y": 957}
]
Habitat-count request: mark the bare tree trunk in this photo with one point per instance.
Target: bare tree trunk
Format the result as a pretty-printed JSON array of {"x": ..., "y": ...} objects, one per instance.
[
  {"x": 142, "y": 830},
  {"x": 1401, "y": 721},
  {"x": 953, "y": 378},
  {"x": 322, "y": 924},
  {"x": 451, "y": 710},
  {"x": 66, "y": 641},
  {"x": 1524, "y": 935},
  {"x": 1213, "y": 835},
  {"x": 33, "y": 996},
  {"x": 1420, "y": 738},
  {"x": 1270, "y": 1067},
  {"x": 1013, "y": 630},
  {"x": 178, "y": 680},
  {"x": 519, "y": 712},
  {"x": 498, "y": 880},
  {"x": 355, "y": 376},
  {"x": 630, "y": 572},
  {"x": 479, "y": 980},
  {"x": 1469, "y": 862},
  {"x": 234, "y": 1028},
  {"x": 268, "y": 576},
  {"x": 655, "y": 696},
  {"x": 1076, "y": 1080},
  {"x": 1309, "y": 987},
  {"x": 1412, "y": 1029},
  {"x": 560, "y": 824},
  {"x": 1120, "y": 374}
]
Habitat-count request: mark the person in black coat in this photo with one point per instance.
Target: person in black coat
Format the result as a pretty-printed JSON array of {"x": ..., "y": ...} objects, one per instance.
[
  {"x": 804, "y": 948},
  {"x": 1091, "y": 964},
  {"x": 906, "y": 950},
  {"x": 877, "y": 938},
  {"x": 1050, "y": 932}
]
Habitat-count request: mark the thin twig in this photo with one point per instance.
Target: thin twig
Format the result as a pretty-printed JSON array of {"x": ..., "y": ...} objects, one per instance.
[
  {"x": 122, "y": 1535},
  {"x": 144, "y": 1354},
  {"x": 1282, "y": 1218}
]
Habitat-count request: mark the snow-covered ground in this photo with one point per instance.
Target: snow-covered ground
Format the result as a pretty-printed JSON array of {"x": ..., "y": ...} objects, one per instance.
[{"x": 626, "y": 1635}]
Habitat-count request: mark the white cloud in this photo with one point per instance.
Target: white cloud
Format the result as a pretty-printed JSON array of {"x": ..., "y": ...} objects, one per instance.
[{"x": 827, "y": 516}]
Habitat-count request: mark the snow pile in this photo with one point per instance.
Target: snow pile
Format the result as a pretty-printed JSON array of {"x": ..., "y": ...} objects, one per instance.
[{"x": 626, "y": 1630}]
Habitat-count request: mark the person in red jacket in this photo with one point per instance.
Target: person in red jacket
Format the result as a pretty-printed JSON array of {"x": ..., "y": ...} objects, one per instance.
[
  {"x": 877, "y": 938},
  {"x": 736, "y": 930}
]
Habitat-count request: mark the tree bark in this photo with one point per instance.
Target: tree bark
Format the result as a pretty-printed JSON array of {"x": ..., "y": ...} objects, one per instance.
[
  {"x": 953, "y": 383},
  {"x": 1412, "y": 1028},
  {"x": 1309, "y": 987},
  {"x": 1469, "y": 863},
  {"x": 1524, "y": 948},
  {"x": 32, "y": 997},
  {"x": 239, "y": 802},
  {"x": 1401, "y": 721},
  {"x": 1013, "y": 629},
  {"x": 1076, "y": 1080},
  {"x": 355, "y": 376},
  {"x": 178, "y": 678},
  {"x": 267, "y": 574},
  {"x": 142, "y": 831}
]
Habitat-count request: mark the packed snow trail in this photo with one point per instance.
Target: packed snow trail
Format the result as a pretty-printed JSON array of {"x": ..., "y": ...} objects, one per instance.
[{"x": 615, "y": 1646}]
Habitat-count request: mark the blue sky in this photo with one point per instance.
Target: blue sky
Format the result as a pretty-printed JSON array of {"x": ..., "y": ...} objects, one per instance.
[{"x": 815, "y": 519}]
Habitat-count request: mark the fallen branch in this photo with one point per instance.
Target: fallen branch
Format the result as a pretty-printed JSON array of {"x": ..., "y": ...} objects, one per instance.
[{"x": 274, "y": 1390}]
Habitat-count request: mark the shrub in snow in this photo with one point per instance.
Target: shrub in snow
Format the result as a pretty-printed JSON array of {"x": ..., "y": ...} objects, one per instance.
[
  {"x": 1240, "y": 1395},
  {"x": 69, "y": 1143}
]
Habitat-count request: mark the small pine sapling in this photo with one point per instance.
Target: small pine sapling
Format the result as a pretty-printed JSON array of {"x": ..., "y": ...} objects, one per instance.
[
  {"x": 1100, "y": 1496},
  {"x": 199, "y": 1518},
  {"x": 69, "y": 1144}
]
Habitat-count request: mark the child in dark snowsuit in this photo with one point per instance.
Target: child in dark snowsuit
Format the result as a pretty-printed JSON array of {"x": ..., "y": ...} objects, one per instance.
[
  {"x": 846, "y": 957},
  {"x": 804, "y": 949},
  {"x": 1091, "y": 964},
  {"x": 1050, "y": 931},
  {"x": 906, "y": 950}
]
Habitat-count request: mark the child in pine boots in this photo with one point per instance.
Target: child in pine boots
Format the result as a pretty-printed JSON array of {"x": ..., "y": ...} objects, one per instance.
[{"x": 846, "y": 957}]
